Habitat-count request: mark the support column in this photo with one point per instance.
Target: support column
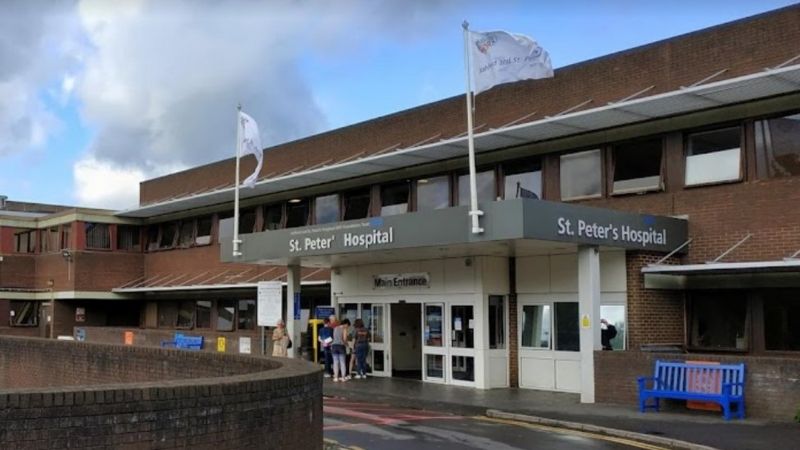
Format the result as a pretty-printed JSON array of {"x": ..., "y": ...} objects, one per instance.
[
  {"x": 292, "y": 291},
  {"x": 589, "y": 311}
]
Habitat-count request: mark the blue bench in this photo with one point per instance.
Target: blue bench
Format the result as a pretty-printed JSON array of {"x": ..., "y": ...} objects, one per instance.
[
  {"x": 723, "y": 384},
  {"x": 184, "y": 342}
]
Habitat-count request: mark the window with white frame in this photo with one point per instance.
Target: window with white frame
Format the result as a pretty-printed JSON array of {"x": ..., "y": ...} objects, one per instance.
[
  {"x": 581, "y": 175},
  {"x": 485, "y": 186},
  {"x": 536, "y": 326},
  {"x": 713, "y": 156},
  {"x": 778, "y": 146},
  {"x": 637, "y": 166},
  {"x": 326, "y": 209}
]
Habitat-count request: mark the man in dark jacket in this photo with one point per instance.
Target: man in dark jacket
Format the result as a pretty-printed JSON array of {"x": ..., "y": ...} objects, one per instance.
[{"x": 607, "y": 333}]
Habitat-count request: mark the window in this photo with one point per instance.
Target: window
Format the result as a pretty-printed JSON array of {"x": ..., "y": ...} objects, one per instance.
[
  {"x": 273, "y": 217},
  {"x": 49, "y": 238},
  {"x": 25, "y": 241},
  {"x": 185, "y": 317},
  {"x": 485, "y": 187},
  {"x": 718, "y": 320},
  {"x": 326, "y": 209},
  {"x": 581, "y": 175},
  {"x": 204, "y": 225},
  {"x": 464, "y": 368},
  {"x": 778, "y": 147},
  {"x": 97, "y": 235},
  {"x": 523, "y": 179},
  {"x": 434, "y": 325},
  {"x": 66, "y": 237},
  {"x": 23, "y": 314},
  {"x": 567, "y": 333},
  {"x": 614, "y": 316},
  {"x": 247, "y": 314},
  {"x": 433, "y": 193},
  {"x": 226, "y": 313},
  {"x": 637, "y": 166},
  {"x": 394, "y": 198},
  {"x": 296, "y": 213},
  {"x": 169, "y": 235},
  {"x": 203, "y": 314},
  {"x": 167, "y": 314},
  {"x": 186, "y": 237},
  {"x": 782, "y": 322},
  {"x": 152, "y": 238},
  {"x": 497, "y": 322},
  {"x": 356, "y": 204},
  {"x": 536, "y": 326},
  {"x": 128, "y": 238},
  {"x": 462, "y": 326},
  {"x": 713, "y": 156},
  {"x": 247, "y": 221}
]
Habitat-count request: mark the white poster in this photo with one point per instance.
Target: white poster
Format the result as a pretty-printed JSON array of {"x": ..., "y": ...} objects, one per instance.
[
  {"x": 269, "y": 308},
  {"x": 244, "y": 345}
]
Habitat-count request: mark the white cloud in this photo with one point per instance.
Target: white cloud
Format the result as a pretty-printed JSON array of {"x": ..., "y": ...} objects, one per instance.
[{"x": 101, "y": 185}]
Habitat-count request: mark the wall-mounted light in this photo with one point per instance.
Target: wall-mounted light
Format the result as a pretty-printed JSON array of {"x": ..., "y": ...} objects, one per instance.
[
  {"x": 66, "y": 254},
  {"x": 295, "y": 200}
]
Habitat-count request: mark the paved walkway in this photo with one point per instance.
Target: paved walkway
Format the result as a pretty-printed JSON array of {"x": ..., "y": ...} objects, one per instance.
[{"x": 704, "y": 428}]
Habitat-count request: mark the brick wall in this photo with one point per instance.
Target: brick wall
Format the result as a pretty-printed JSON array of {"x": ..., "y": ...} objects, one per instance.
[
  {"x": 742, "y": 47},
  {"x": 772, "y": 387},
  {"x": 17, "y": 271},
  {"x": 160, "y": 398},
  {"x": 654, "y": 317}
]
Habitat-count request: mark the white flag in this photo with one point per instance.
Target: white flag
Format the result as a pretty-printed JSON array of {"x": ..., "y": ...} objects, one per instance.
[
  {"x": 499, "y": 57},
  {"x": 250, "y": 144}
]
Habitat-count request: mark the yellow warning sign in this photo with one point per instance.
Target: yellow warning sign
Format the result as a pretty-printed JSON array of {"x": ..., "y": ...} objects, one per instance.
[
  {"x": 221, "y": 344},
  {"x": 586, "y": 322}
]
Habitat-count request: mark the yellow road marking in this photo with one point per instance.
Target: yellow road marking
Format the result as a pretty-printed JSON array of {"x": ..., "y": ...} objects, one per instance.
[{"x": 586, "y": 434}]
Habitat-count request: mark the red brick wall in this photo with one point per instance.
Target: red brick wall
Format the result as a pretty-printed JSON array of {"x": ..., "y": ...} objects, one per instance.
[
  {"x": 772, "y": 389},
  {"x": 742, "y": 47},
  {"x": 18, "y": 271},
  {"x": 159, "y": 398},
  {"x": 654, "y": 317}
]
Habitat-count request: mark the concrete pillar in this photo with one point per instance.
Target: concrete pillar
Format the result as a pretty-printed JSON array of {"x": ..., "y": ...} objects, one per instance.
[
  {"x": 292, "y": 290},
  {"x": 589, "y": 312}
]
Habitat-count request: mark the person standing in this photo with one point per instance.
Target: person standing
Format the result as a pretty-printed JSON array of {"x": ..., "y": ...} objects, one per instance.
[
  {"x": 325, "y": 340},
  {"x": 361, "y": 338},
  {"x": 280, "y": 340},
  {"x": 339, "y": 350},
  {"x": 607, "y": 333}
]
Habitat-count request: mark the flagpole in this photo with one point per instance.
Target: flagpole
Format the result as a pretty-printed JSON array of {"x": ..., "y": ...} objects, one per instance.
[
  {"x": 474, "y": 212},
  {"x": 236, "y": 240}
]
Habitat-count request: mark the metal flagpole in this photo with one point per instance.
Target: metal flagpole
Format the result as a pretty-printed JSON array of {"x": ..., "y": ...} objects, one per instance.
[
  {"x": 236, "y": 240},
  {"x": 474, "y": 212}
]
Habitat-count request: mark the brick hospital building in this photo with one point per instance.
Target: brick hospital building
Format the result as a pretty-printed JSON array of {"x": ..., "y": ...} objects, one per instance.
[{"x": 657, "y": 188}]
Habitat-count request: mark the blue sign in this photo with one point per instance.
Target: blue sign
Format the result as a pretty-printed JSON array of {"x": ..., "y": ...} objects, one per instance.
[
  {"x": 323, "y": 312},
  {"x": 296, "y": 306}
]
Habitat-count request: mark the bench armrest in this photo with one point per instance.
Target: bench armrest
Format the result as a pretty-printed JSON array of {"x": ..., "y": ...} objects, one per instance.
[{"x": 643, "y": 382}]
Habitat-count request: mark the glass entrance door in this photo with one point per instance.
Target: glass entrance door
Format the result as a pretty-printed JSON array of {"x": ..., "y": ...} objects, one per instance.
[
  {"x": 379, "y": 358},
  {"x": 433, "y": 344}
]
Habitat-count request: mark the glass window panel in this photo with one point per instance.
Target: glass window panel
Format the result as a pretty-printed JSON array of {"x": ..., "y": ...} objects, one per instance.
[
  {"x": 434, "y": 366},
  {"x": 434, "y": 323},
  {"x": 581, "y": 175},
  {"x": 326, "y": 209},
  {"x": 348, "y": 311},
  {"x": 433, "y": 193},
  {"x": 152, "y": 237},
  {"x": 297, "y": 214},
  {"x": 637, "y": 166},
  {"x": 366, "y": 315},
  {"x": 185, "y": 314},
  {"x": 377, "y": 324},
  {"x": 523, "y": 179},
  {"x": 536, "y": 326},
  {"x": 98, "y": 235},
  {"x": 462, "y": 327},
  {"x": 718, "y": 320},
  {"x": 782, "y": 321},
  {"x": 356, "y": 204},
  {"x": 464, "y": 368},
  {"x": 612, "y": 335},
  {"x": 394, "y": 198},
  {"x": 778, "y": 146},
  {"x": 187, "y": 233},
  {"x": 203, "y": 314},
  {"x": 497, "y": 322},
  {"x": 567, "y": 332},
  {"x": 273, "y": 217},
  {"x": 204, "y": 225},
  {"x": 247, "y": 221},
  {"x": 226, "y": 313},
  {"x": 485, "y": 186},
  {"x": 377, "y": 360},
  {"x": 23, "y": 314},
  {"x": 66, "y": 237},
  {"x": 247, "y": 314},
  {"x": 713, "y": 156},
  {"x": 169, "y": 231},
  {"x": 127, "y": 237},
  {"x": 167, "y": 314}
]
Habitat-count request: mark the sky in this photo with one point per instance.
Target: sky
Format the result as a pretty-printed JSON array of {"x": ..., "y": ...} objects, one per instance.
[{"x": 96, "y": 95}]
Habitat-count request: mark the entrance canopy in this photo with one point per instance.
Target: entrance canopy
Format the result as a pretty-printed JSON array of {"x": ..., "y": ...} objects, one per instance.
[
  {"x": 510, "y": 226},
  {"x": 728, "y": 275}
]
